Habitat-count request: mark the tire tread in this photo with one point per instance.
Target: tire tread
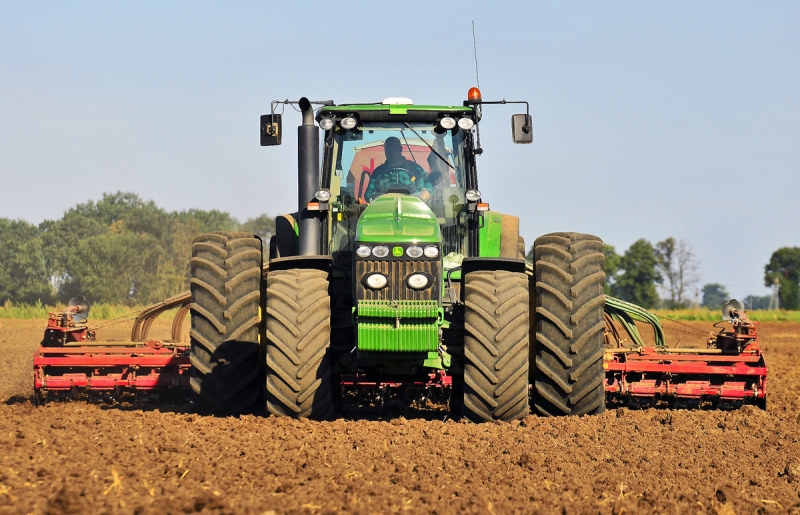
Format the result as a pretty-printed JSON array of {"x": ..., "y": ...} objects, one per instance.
[
  {"x": 225, "y": 357},
  {"x": 496, "y": 341},
  {"x": 298, "y": 311},
  {"x": 569, "y": 344}
]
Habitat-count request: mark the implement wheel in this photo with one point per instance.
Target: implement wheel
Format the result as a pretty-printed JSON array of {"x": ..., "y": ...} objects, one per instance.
[
  {"x": 569, "y": 324},
  {"x": 298, "y": 337},
  {"x": 496, "y": 357},
  {"x": 226, "y": 299}
]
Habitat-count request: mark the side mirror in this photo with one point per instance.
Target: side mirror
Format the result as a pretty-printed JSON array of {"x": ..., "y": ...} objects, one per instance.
[
  {"x": 271, "y": 130},
  {"x": 522, "y": 128}
]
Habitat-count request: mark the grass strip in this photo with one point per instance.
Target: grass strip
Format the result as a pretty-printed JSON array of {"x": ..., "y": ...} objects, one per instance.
[
  {"x": 714, "y": 315},
  {"x": 101, "y": 311},
  {"x": 39, "y": 311}
]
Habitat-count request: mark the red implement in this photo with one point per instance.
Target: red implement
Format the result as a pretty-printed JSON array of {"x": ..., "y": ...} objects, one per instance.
[
  {"x": 107, "y": 368},
  {"x": 70, "y": 360},
  {"x": 731, "y": 370}
]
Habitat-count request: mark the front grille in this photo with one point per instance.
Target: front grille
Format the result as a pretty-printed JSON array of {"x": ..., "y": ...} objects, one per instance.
[{"x": 397, "y": 271}]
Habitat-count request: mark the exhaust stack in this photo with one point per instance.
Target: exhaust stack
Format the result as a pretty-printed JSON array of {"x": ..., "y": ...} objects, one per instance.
[{"x": 307, "y": 181}]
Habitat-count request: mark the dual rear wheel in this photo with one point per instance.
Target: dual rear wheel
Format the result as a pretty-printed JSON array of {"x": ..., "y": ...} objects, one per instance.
[
  {"x": 564, "y": 363},
  {"x": 228, "y": 375}
]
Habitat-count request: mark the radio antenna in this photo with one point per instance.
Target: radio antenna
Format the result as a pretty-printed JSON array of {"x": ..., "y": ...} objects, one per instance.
[
  {"x": 478, "y": 150},
  {"x": 475, "y": 51}
]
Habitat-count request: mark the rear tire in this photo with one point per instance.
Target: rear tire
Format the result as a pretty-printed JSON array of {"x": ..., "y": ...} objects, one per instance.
[
  {"x": 495, "y": 384},
  {"x": 298, "y": 321},
  {"x": 226, "y": 298},
  {"x": 569, "y": 325}
]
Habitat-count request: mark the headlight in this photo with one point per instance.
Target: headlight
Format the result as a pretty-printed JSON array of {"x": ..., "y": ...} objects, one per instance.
[
  {"x": 431, "y": 251},
  {"x": 323, "y": 195},
  {"x": 414, "y": 251},
  {"x": 447, "y": 122},
  {"x": 363, "y": 251},
  {"x": 380, "y": 251},
  {"x": 464, "y": 123},
  {"x": 418, "y": 281},
  {"x": 473, "y": 195},
  {"x": 326, "y": 124},
  {"x": 376, "y": 281},
  {"x": 348, "y": 123}
]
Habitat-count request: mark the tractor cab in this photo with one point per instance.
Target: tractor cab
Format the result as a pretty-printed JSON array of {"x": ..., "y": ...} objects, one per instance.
[{"x": 423, "y": 152}]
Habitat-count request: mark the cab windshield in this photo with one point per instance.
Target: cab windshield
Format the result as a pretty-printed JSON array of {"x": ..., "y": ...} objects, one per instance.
[{"x": 420, "y": 159}]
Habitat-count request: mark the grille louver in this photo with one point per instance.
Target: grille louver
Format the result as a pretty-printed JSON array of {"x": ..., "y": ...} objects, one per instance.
[{"x": 397, "y": 271}]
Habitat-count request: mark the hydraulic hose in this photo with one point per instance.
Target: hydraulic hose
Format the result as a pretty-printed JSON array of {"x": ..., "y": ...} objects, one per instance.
[{"x": 628, "y": 314}]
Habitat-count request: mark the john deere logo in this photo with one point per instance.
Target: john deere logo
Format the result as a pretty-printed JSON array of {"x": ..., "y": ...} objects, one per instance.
[{"x": 397, "y": 251}]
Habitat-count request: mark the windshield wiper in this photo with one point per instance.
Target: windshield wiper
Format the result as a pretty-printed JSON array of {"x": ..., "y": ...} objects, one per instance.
[{"x": 445, "y": 161}]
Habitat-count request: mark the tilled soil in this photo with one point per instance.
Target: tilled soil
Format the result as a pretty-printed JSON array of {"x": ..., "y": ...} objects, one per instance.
[{"x": 80, "y": 458}]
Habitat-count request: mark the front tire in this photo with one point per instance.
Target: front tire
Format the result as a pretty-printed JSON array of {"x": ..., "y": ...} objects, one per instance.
[
  {"x": 495, "y": 385},
  {"x": 298, "y": 337},
  {"x": 569, "y": 325}
]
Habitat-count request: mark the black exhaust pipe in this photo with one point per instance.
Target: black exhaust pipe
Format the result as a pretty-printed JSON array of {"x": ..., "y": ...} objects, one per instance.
[{"x": 307, "y": 181}]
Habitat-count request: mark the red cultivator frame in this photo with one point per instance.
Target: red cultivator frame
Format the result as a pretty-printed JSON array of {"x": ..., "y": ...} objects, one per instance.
[
  {"x": 728, "y": 373},
  {"x": 71, "y": 362}
]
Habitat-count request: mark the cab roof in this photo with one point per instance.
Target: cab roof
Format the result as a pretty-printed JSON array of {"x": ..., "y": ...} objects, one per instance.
[{"x": 385, "y": 112}]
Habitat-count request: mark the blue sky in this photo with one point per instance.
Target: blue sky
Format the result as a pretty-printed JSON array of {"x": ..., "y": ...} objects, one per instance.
[{"x": 651, "y": 119}]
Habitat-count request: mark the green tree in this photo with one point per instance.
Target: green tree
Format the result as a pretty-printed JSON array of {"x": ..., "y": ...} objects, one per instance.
[
  {"x": 784, "y": 268},
  {"x": 753, "y": 302},
  {"x": 109, "y": 267},
  {"x": 113, "y": 207},
  {"x": 211, "y": 221},
  {"x": 59, "y": 239},
  {"x": 23, "y": 273},
  {"x": 679, "y": 267},
  {"x": 610, "y": 267},
  {"x": 122, "y": 249},
  {"x": 637, "y": 282},
  {"x": 116, "y": 224},
  {"x": 714, "y": 296}
]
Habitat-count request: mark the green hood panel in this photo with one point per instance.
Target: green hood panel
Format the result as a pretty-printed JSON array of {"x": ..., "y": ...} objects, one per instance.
[{"x": 398, "y": 218}]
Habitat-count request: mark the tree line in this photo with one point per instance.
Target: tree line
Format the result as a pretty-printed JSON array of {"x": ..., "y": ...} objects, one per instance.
[
  {"x": 667, "y": 275},
  {"x": 119, "y": 250},
  {"x": 124, "y": 250}
]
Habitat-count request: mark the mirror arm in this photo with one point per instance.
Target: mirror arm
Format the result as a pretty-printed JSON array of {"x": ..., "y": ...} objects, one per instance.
[
  {"x": 526, "y": 128},
  {"x": 297, "y": 103}
]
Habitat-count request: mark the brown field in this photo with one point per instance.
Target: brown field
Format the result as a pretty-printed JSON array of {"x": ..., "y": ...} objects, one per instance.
[{"x": 81, "y": 458}]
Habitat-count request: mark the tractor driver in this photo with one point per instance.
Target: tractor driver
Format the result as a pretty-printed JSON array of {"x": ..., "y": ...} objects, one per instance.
[{"x": 397, "y": 172}]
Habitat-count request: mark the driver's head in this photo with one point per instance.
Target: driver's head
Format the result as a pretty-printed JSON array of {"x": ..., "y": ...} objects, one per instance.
[{"x": 392, "y": 148}]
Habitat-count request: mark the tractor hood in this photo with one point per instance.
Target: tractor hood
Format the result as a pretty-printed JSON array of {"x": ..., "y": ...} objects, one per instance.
[{"x": 398, "y": 218}]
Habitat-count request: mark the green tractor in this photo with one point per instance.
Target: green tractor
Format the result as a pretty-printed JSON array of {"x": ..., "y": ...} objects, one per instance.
[{"x": 394, "y": 273}]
